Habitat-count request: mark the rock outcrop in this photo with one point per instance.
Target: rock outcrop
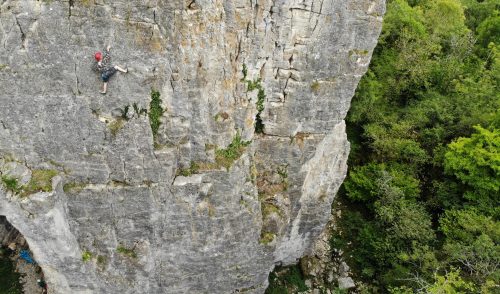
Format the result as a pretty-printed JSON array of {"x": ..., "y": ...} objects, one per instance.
[{"x": 238, "y": 172}]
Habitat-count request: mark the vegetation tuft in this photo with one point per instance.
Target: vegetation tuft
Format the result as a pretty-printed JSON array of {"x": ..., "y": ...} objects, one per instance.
[
  {"x": 124, "y": 112},
  {"x": 155, "y": 113},
  {"x": 86, "y": 256},
  {"x": 41, "y": 181},
  {"x": 269, "y": 208},
  {"x": 73, "y": 187},
  {"x": 244, "y": 71},
  {"x": 116, "y": 125},
  {"x": 266, "y": 238},
  {"x": 226, "y": 157},
  {"x": 11, "y": 184},
  {"x": 223, "y": 157},
  {"x": 252, "y": 85},
  {"x": 261, "y": 97},
  {"x": 101, "y": 260},
  {"x": 126, "y": 251},
  {"x": 315, "y": 86},
  {"x": 286, "y": 280},
  {"x": 186, "y": 172},
  {"x": 139, "y": 110},
  {"x": 358, "y": 52}
]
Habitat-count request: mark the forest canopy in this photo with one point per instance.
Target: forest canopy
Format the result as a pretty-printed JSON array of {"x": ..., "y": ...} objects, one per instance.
[{"x": 421, "y": 200}]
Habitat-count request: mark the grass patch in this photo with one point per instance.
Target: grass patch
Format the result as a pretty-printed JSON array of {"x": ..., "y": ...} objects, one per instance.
[
  {"x": 126, "y": 251},
  {"x": 286, "y": 280},
  {"x": 101, "y": 259},
  {"x": 155, "y": 112},
  {"x": 315, "y": 86},
  {"x": 87, "y": 3},
  {"x": 266, "y": 238},
  {"x": 41, "y": 181},
  {"x": 269, "y": 188},
  {"x": 268, "y": 209},
  {"x": 186, "y": 172},
  {"x": 267, "y": 184},
  {"x": 223, "y": 158},
  {"x": 11, "y": 184},
  {"x": 73, "y": 187},
  {"x": 283, "y": 173},
  {"x": 358, "y": 52},
  {"x": 86, "y": 256},
  {"x": 115, "y": 126},
  {"x": 226, "y": 157}
]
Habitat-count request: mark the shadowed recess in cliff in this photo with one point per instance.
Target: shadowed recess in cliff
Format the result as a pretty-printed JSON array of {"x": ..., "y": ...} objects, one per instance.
[{"x": 18, "y": 270}]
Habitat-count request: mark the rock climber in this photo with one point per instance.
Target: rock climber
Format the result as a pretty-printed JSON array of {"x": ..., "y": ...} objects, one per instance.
[{"x": 105, "y": 68}]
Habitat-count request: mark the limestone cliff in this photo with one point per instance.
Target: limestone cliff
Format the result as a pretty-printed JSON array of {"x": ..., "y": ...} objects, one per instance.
[{"x": 240, "y": 168}]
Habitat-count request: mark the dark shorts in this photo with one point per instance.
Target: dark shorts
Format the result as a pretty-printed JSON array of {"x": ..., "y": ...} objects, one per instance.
[{"x": 108, "y": 74}]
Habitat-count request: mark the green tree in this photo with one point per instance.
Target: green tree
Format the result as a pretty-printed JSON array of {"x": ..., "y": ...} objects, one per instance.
[
  {"x": 417, "y": 159},
  {"x": 450, "y": 283},
  {"x": 489, "y": 31},
  {"x": 477, "y": 11},
  {"x": 445, "y": 18},
  {"x": 476, "y": 162},
  {"x": 364, "y": 182},
  {"x": 472, "y": 243}
]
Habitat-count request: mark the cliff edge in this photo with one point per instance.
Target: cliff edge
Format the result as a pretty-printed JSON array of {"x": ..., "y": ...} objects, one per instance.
[{"x": 216, "y": 157}]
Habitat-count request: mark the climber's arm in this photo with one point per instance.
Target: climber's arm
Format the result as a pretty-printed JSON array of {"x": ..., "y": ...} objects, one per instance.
[{"x": 106, "y": 60}]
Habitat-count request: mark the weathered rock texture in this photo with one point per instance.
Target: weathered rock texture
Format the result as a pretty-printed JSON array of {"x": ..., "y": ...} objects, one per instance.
[{"x": 119, "y": 194}]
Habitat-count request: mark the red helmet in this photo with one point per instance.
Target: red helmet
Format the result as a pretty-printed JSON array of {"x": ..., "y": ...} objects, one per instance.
[{"x": 98, "y": 56}]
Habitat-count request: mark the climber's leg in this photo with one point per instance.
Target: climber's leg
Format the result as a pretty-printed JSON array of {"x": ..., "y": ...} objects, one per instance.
[
  {"x": 121, "y": 69},
  {"x": 104, "y": 88}
]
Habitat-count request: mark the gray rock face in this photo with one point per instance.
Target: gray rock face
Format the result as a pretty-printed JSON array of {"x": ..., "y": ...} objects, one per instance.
[
  {"x": 181, "y": 210},
  {"x": 346, "y": 283}
]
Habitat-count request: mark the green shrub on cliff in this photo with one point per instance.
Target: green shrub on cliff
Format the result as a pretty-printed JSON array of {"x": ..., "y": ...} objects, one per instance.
[
  {"x": 11, "y": 184},
  {"x": 155, "y": 113}
]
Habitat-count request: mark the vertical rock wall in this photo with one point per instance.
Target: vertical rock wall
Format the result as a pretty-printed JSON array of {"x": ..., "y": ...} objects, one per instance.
[{"x": 180, "y": 211}]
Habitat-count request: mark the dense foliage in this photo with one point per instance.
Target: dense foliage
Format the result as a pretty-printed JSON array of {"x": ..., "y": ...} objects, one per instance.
[
  {"x": 423, "y": 191},
  {"x": 9, "y": 278},
  {"x": 286, "y": 280}
]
